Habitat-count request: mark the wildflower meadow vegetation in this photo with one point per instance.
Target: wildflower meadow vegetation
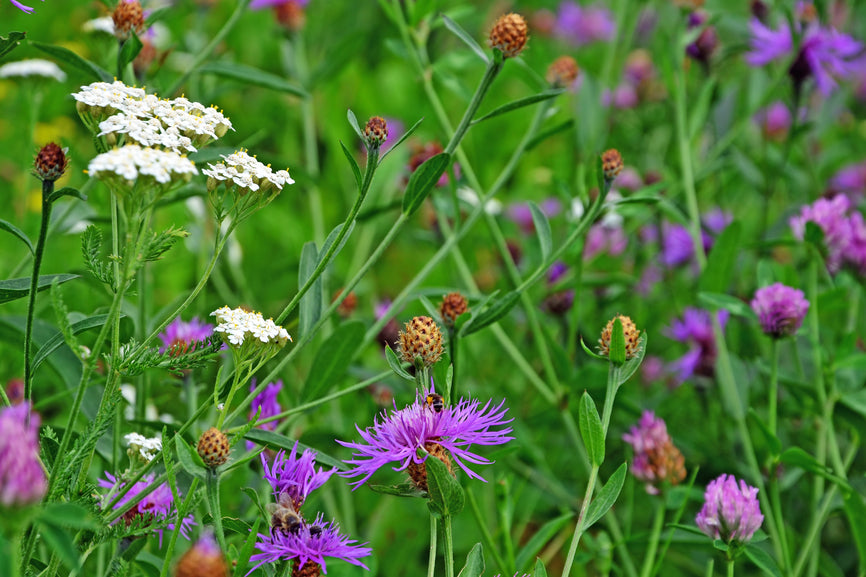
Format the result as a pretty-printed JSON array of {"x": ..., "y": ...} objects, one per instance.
[{"x": 432, "y": 287}]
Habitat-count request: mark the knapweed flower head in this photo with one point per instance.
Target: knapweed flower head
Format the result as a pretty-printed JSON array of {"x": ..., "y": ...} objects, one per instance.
[
  {"x": 266, "y": 405},
  {"x": 696, "y": 330},
  {"x": 22, "y": 7},
  {"x": 376, "y": 132},
  {"x": 180, "y": 335},
  {"x": 289, "y": 13},
  {"x": 294, "y": 475},
  {"x": 630, "y": 332},
  {"x": 656, "y": 459},
  {"x": 204, "y": 559},
  {"x": 213, "y": 448},
  {"x": 422, "y": 340},
  {"x": 141, "y": 448},
  {"x": 509, "y": 35},
  {"x": 239, "y": 326},
  {"x": 128, "y": 18},
  {"x": 562, "y": 72},
  {"x": 780, "y": 309},
  {"x": 844, "y": 233},
  {"x": 611, "y": 164},
  {"x": 397, "y": 435},
  {"x": 22, "y": 480},
  {"x": 579, "y": 25},
  {"x": 453, "y": 305},
  {"x": 33, "y": 67},
  {"x": 158, "y": 505},
  {"x": 51, "y": 162},
  {"x": 125, "y": 168},
  {"x": 308, "y": 546},
  {"x": 731, "y": 510}
]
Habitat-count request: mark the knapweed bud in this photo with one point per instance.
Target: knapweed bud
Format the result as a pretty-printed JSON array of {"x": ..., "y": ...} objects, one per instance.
[
  {"x": 418, "y": 471},
  {"x": 780, "y": 309},
  {"x": 453, "y": 305},
  {"x": 51, "y": 162},
  {"x": 423, "y": 339},
  {"x": 204, "y": 559},
  {"x": 562, "y": 72},
  {"x": 731, "y": 510},
  {"x": 376, "y": 132},
  {"x": 128, "y": 17},
  {"x": 509, "y": 35},
  {"x": 213, "y": 448},
  {"x": 611, "y": 164},
  {"x": 290, "y": 14},
  {"x": 630, "y": 332}
]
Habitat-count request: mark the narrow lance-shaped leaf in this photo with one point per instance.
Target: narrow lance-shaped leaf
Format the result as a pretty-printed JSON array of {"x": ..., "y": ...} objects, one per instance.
[
  {"x": 466, "y": 38},
  {"x": 542, "y": 229},
  {"x": 474, "y": 563},
  {"x": 16, "y": 232},
  {"x": 606, "y": 497},
  {"x": 423, "y": 180},
  {"x": 591, "y": 430},
  {"x": 520, "y": 103}
]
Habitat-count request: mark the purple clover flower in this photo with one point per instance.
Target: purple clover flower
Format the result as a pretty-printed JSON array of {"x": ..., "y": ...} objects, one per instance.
[
  {"x": 270, "y": 407},
  {"x": 850, "y": 180},
  {"x": 780, "y": 309},
  {"x": 309, "y": 546},
  {"x": 159, "y": 503},
  {"x": 731, "y": 510},
  {"x": 696, "y": 330},
  {"x": 844, "y": 235},
  {"x": 295, "y": 476},
  {"x": 179, "y": 334},
  {"x": 581, "y": 25},
  {"x": 22, "y": 480},
  {"x": 656, "y": 459},
  {"x": 395, "y": 437}
]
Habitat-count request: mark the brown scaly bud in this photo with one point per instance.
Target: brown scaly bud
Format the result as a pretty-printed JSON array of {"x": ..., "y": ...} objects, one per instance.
[
  {"x": 630, "y": 331},
  {"x": 128, "y": 17},
  {"x": 213, "y": 448},
  {"x": 562, "y": 72},
  {"x": 418, "y": 472},
  {"x": 349, "y": 304},
  {"x": 509, "y": 35},
  {"x": 51, "y": 162},
  {"x": 291, "y": 15},
  {"x": 453, "y": 305},
  {"x": 376, "y": 132},
  {"x": 611, "y": 164},
  {"x": 421, "y": 338},
  {"x": 308, "y": 569},
  {"x": 204, "y": 559}
]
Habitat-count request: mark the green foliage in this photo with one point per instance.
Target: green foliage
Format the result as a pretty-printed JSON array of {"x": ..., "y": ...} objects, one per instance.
[{"x": 91, "y": 247}]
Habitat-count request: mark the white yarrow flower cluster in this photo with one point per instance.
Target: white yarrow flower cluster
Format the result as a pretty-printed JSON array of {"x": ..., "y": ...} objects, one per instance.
[
  {"x": 32, "y": 67},
  {"x": 146, "y": 132},
  {"x": 246, "y": 172},
  {"x": 238, "y": 325},
  {"x": 132, "y": 161},
  {"x": 104, "y": 24},
  {"x": 141, "y": 447}
]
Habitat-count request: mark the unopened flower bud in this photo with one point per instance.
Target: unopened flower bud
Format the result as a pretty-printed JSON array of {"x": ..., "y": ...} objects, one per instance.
[
  {"x": 423, "y": 339},
  {"x": 290, "y": 14},
  {"x": 418, "y": 471},
  {"x": 509, "y": 35},
  {"x": 376, "y": 132},
  {"x": 128, "y": 17},
  {"x": 213, "y": 448},
  {"x": 611, "y": 164},
  {"x": 348, "y": 305},
  {"x": 51, "y": 162},
  {"x": 453, "y": 305},
  {"x": 204, "y": 559},
  {"x": 562, "y": 72},
  {"x": 630, "y": 332}
]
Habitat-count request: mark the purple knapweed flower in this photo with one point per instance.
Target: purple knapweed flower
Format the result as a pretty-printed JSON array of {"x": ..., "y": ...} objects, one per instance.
[
  {"x": 396, "y": 436},
  {"x": 850, "y": 180},
  {"x": 774, "y": 120},
  {"x": 581, "y": 25},
  {"x": 22, "y": 7},
  {"x": 696, "y": 330},
  {"x": 556, "y": 271},
  {"x": 158, "y": 504},
  {"x": 179, "y": 335},
  {"x": 269, "y": 405},
  {"x": 780, "y": 309},
  {"x": 295, "y": 476},
  {"x": 310, "y": 543},
  {"x": 731, "y": 510},
  {"x": 656, "y": 459},
  {"x": 768, "y": 44},
  {"x": 830, "y": 215},
  {"x": 677, "y": 245},
  {"x": 22, "y": 480}
]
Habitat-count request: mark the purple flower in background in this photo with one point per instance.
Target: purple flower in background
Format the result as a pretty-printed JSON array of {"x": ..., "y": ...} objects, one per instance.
[
  {"x": 396, "y": 128},
  {"x": 850, "y": 180},
  {"x": 310, "y": 543},
  {"x": 178, "y": 335},
  {"x": 260, "y": 4},
  {"x": 623, "y": 97},
  {"x": 768, "y": 44},
  {"x": 830, "y": 215},
  {"x": 603, "y": 238},
  {"x": 731, "y": 510},
  {"x": 677, "y": 245},
  {"x": 696, "y": 330},
  {"x": 556, "y": 271},
  {"x": 780, "y": 309},
  {"x": 159, "y": 504},
  {"x": 295, "y": 476},
  {"x": 629, "y": 179},
  {"x": 520, "y": 214},
  {"x": 774, "y": 120},
  {"x": 22, "y": 7},
  {"x": 395, "y": 437},
  {"x": 581, "y": 25},
  {"x": 22, "y": 480},
  {"x": 656, "y": 459},
  {"x": 270, "y": 407}
]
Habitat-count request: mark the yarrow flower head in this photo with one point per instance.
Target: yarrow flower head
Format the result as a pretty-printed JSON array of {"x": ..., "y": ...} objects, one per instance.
[
  {"x": 780, "y": 309},
  {"x": 248, "y": 334},
  {"x": 141, "y": 448},
  {"x": 22, "y": 480},
  {"x": 844, "y": 234},
  {"x": 267, "y": 403},
  {"x": 179, "y": 335},
  {"x": 124, "y": 168},
  {"x": 656, "y": 459},
  {"x": 33, "y": 67},
  {"x": 295, "y": 475},
  {"x": 696, "y": 330},
  {"x": 249, "y": 185},
  {"x": 731, "y": 510},
  {"x": 447, "y": 433}
]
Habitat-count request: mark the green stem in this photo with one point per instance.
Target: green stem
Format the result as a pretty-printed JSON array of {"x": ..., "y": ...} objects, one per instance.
[
  {"x": 730, "y": 568},
  {"x": 774, "y": 385},
  {"x": 212, "y": 490},
  {"x": 449, "y": 547},
  {"x": 39, "y": 252},
  {"x": 655, "y": 534},
  {"x": 489, "y": 546},
  {"x": 181, "y": 514},
  {"x": 431, "y": 560}
]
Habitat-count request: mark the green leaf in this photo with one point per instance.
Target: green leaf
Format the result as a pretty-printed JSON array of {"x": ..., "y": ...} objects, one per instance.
[
  {"x": 71, "y": 58},
  {"x": 333, "y": 358},
  {"x": 856, "y": 361},
  {"x": 189, "y": 458},
  {"x": 607, "y": 496},
  {"x": 474, "y": 563},
  {"x": 353, "y": 164},
  {"x": 402, "y": 490},
  {"x": 797, "y": 457},
  {"x": 11, "y": 42},
  {"x": 700, "y": 107},
  {"x": 541, "y": 538},
  {"x": 396, "y": 364},
  {"x": 855, "y": 510},
  {"x": 310, "y": 307},
  {"x": 763, "y": 560},
  {"x": 405, "y": 135},
  {"x": 540, "y": 569},
  {"x": 446, "y": 494},
  {"x": 16, "y": 232},
  {"x": 616, "y": 350},
  {"x": 67, "y": 191},
  {"x": 17, "y": 288},
  {"x": 466, "y": 38},
  {"x": 254, "y": 76},
  {"x": 70, "y": 515},
  {"x": 720, "y": 265},
  {"x": 247, "y": 550},
  {"x": 542, "y": 229},
  {"x": 733, "y": 305},
  {"x": 773, "y": 442},
  {"x": 591, "y": 429},
  {"x": 282, "y": 442},
  {"x": 591, "y": 352},
  {"x": 129, "y": 50},
  {"x": 326, "y": 246},
  {"x": 61, "y": 543},
  {"x": 520, "y": 103},
  {"x": 156, "y": 15},
  {"x": 423, "y": 180},
  {"x": 353, "y": 122},
  {"x": 633, "y": 364},
  {"x": 493, "y": 313}
]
